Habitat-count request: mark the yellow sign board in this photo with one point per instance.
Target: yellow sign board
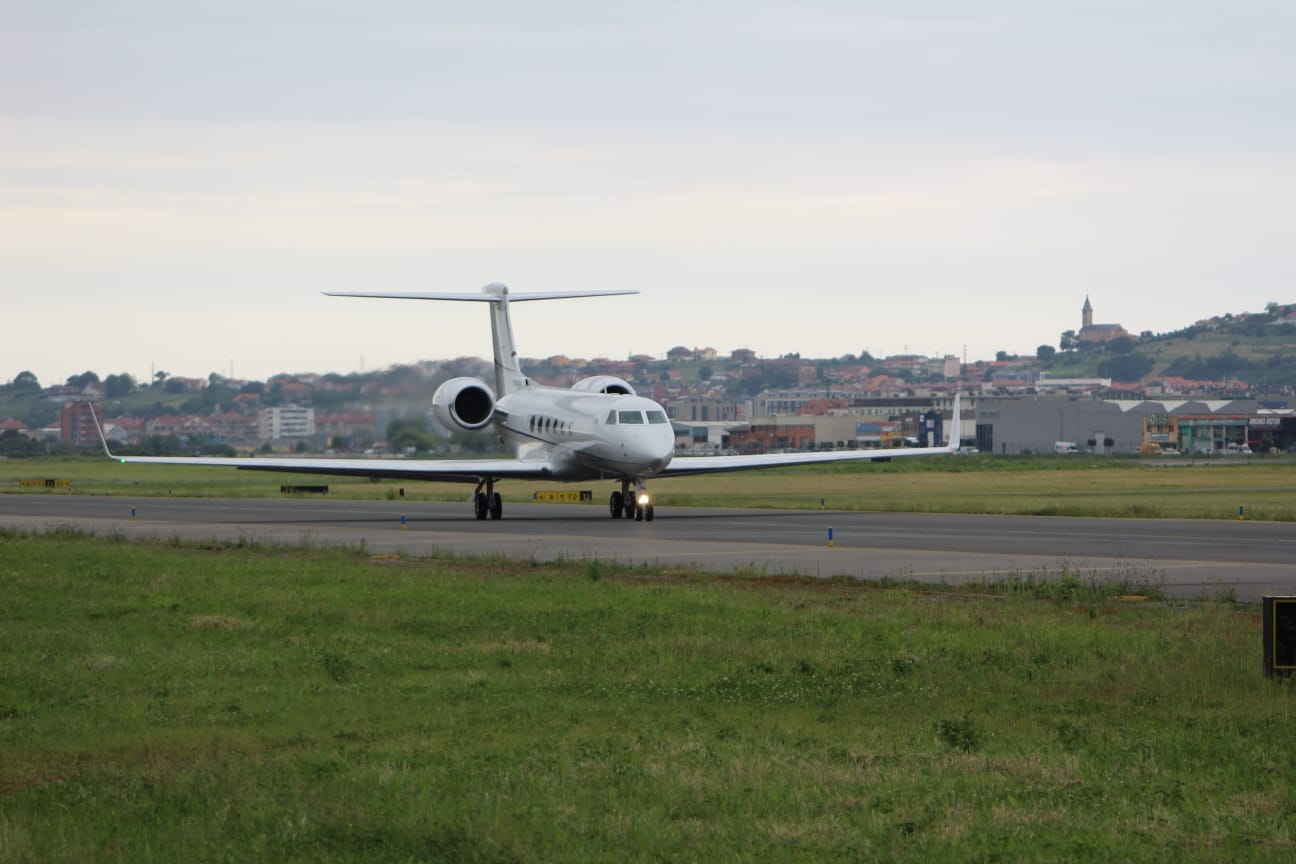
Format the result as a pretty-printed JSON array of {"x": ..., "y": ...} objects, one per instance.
[
  {"x": 45, "y": 484},
  {"x": 564, "y": 496},
  {"x": 1279, "y": 634}
]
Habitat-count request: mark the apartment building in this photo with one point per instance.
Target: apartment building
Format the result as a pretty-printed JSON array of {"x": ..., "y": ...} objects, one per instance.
[{"x": 286, "y": 421}]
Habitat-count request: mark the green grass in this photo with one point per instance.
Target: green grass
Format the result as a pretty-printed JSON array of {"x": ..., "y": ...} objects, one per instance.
[
  {"x": 1042, "y": 486},
  {"x": 1252, "y": 348},
  {"x": 166, "y": 702}
]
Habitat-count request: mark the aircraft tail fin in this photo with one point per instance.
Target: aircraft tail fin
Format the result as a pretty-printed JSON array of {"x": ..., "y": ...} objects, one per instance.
[{"x": 509, "y": 376}]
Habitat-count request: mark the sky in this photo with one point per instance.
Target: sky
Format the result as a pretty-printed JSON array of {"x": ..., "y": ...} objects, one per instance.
[{"x": 179, "y": 182}]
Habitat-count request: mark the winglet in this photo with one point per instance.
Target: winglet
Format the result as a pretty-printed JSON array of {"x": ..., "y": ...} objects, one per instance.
[
  {"x": 956, "y": 428},
  {"x": 95, "y": 410}
]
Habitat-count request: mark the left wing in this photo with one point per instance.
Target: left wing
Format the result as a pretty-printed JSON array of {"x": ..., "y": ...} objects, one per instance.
[{"x": 683, "y": 465}]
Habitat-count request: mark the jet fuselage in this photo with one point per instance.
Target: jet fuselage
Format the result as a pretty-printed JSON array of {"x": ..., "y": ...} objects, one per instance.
[{"x": 586, "y": 436}]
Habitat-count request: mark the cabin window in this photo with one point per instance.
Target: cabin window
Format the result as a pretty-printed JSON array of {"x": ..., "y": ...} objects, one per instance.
[
  {"x": 656, "y": 416},
  {"x": 630, "y": 417}
]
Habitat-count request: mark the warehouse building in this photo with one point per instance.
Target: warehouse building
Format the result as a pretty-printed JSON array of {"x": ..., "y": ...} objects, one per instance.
[{"x": 1124, "y": 425}]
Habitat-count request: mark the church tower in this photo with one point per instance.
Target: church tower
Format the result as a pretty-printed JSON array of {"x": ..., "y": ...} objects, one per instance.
[{"x": 1086, "y": 314}]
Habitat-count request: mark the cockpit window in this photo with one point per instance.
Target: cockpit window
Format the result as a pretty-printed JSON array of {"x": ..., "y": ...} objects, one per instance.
[
  {"x": 630, "y": 417},
  {"x": 656, "y": 416},
  {"x": 611, "y": 421}
]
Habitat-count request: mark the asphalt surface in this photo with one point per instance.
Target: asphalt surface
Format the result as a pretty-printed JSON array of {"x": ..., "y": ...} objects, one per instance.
[{"x": 1185, "y": 557}]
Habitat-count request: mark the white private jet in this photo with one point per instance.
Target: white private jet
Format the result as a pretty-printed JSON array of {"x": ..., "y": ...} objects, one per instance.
[{"x": 598, "y": 429}]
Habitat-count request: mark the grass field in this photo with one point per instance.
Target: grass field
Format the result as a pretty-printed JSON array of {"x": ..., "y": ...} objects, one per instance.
[
  {"x": 164, "y": 702},
  {"x": 1050, "y": 486}
]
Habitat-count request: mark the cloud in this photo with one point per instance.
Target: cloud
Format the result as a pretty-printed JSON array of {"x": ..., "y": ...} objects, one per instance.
[{"x": 899, "y": 172}]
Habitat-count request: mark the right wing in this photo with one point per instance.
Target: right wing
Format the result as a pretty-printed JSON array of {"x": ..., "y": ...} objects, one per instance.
[{"x": 447, "y": 470}]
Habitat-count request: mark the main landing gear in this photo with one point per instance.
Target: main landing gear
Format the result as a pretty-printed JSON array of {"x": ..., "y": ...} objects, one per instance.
[
  {"x": 487, "y": 502},
  {"x": 637, "y": 506}
]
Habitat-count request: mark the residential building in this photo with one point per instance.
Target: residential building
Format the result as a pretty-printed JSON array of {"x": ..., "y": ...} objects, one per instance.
[
  {"x": 351, "y": 425},
  {"x": 679, "y": 353},
  {"x": 232, "y": 427},
  {"x": 694, "y": 409},
  {"x": 79, "y": 423},
  {"x": 124, "y": 430},
  {"x": 178, "y": 426},
  {"x": 12, "y": 425},
  {"x": 286, "y": 421}
]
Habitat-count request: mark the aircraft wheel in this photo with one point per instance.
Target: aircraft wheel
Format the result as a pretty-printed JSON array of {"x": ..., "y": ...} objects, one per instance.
[
  {"x": 496, "y": 506},
  {"x": 616, "y": 505},
  {"x": 648, "y": 513},
  {"x": 479, "y": 505},
  {"x": 629, "y": 510},
  {"x": 639, "y": 514}
]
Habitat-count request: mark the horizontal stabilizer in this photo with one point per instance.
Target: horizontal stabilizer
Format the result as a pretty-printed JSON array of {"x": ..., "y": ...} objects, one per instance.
[
  {"x": 491, "y": 293},
  {"x": 508, "y": 374}
]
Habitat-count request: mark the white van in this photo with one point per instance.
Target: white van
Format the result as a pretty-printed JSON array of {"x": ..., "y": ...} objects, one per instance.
[{"x": 1065, "y": 447}]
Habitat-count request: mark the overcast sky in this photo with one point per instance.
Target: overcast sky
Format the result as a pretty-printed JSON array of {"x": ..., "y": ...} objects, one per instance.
[{"x": 179, "y": 181}]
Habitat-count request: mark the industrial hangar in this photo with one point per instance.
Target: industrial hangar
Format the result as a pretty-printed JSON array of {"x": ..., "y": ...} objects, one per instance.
[{"x": 1035, "y": 425}]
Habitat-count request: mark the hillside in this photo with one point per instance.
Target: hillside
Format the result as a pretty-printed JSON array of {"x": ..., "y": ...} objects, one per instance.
[
  {"x": 1255, "y": 350},
  {"x": 1231, "y": 355}
]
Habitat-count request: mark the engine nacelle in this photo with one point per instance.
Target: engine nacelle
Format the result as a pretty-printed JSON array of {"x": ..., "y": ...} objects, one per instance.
[
  {"x": 609, "y": 384},
  {"x": 463, "y": 403}
]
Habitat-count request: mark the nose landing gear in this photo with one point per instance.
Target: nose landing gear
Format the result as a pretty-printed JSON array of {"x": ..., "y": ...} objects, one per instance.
[{"x": 637, "y": 506}]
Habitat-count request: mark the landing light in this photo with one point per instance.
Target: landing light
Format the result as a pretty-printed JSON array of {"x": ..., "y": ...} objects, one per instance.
[{"x": 643, "y": 500}]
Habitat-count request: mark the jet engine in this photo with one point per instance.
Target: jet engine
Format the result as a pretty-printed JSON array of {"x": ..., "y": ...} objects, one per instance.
[
  {"x": 463, "y": 403},
  {"x": 609, "y": 384}
]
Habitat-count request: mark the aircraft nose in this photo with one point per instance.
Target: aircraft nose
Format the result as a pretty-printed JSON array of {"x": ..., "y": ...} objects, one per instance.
[
  {"x": 659, "y": 463},
  {"x": 653, "y": 452}
]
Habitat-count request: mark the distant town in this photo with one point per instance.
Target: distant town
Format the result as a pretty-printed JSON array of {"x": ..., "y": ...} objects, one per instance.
[{"x": 1215, "y": 386}]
